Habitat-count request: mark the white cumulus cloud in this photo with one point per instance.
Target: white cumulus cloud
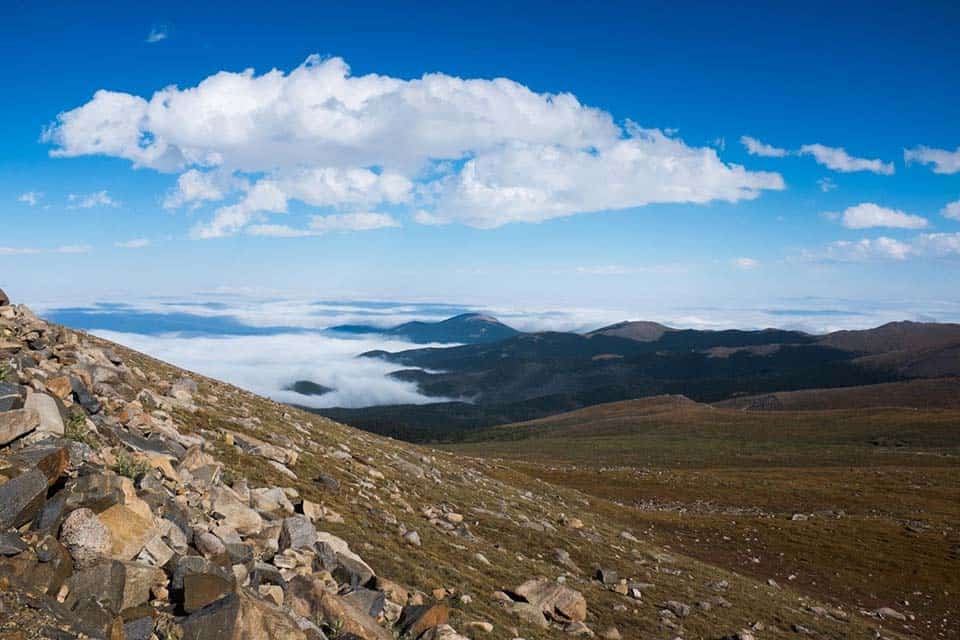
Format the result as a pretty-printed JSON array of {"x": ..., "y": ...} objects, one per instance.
[
  {"x": 943, "y": 160},
  {"x": 757, "y": 148},
  {"x": 838, "y": 159},
  {"x": 868, "y": 214},
  {"x": 480, "y": 152}
]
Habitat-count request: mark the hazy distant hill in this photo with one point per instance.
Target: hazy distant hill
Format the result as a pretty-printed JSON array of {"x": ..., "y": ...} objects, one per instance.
[
  {"x": 641, "y": 331},
  {"x": 469, "y": 328},
  {"x": 895, "y": 336}
]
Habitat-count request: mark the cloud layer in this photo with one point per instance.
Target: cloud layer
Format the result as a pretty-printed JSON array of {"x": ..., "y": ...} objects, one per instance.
[{"x": 480, "y": 152}]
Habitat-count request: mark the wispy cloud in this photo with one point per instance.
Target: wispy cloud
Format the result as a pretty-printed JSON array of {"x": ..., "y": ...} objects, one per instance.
[
  {"x": 319, "y": 225},
  {"x": 157, "y": 33},
  {"x": 90, "y": 200},
  {"x": 826, "y": 184},
  {"x": 868, "y": 214},
  {"x": 943, "y": 160},
  {"x": 18, "y": 251},
  {"x": 136, "y": 243},
  {"x": 951, "y": 210},
  {"x": 23, "y": 251},
  {"x": 838, "y": 159},
  {"x": 74, "y": 248},
  {"x": 926, "y": 245},
  {"x": 757, "y": 148},
  {"x": 746, "y": 264},
  {"x": 31, "y": 198}
]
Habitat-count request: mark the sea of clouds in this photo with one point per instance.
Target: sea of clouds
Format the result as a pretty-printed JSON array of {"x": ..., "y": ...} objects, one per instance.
[{"x": 264, "y": 344}]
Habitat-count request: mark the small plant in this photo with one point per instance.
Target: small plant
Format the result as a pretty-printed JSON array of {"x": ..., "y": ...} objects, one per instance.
[
  {"x": 4, "y": 372},
  {"x": 76, "y": 429},
  {"x": 130, "y": 467},
  {"x": 336, "y": 629}
]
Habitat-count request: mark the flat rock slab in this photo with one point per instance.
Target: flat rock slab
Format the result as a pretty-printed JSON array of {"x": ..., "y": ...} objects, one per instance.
[
  {"x": 52, "y": 460},
  {"x": 50, "y": 419},
  {"x": 240, "y": 617},
  {"x": 129, "y": 530},
  {"x": 16, "y": 423}
]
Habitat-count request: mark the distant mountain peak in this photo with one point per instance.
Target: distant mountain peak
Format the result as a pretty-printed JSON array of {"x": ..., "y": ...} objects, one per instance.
[
  {"x": 639, "y": 330},
  {"x": 469, "y": 328}
]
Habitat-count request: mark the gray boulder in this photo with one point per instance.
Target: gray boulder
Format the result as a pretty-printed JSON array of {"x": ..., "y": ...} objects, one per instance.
[
  {"x": 85, "y": 537},
  {"x": 297, "y": 532}
]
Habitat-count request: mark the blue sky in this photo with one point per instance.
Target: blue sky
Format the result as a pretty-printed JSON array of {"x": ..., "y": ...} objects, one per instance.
[{"x": 639, "y": 192}]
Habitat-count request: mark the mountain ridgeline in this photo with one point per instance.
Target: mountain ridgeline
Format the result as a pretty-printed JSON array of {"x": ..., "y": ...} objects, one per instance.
[{"x": 531, "y": 375}]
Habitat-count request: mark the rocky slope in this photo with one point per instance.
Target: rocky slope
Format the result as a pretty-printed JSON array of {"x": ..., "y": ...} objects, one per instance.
[{"x": 140, "y": 501}]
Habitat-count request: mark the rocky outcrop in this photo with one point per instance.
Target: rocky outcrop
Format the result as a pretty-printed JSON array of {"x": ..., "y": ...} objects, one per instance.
[{"x": 127, "y": 523}]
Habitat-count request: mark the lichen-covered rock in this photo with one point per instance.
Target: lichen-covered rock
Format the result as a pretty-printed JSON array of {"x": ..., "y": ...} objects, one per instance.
[{"x": 86, "y": 538}]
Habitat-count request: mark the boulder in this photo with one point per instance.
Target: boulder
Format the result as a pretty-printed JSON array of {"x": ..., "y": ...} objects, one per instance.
[
  {"x": 417, "y": 619},
  {"x": 226, "y": 506},
  {"x": 52, "y": 460},
  {"x": 239, "y": 616},
  {"x": 129, "y": 530},
  {"x": 118, "y": 585},
  {"x": 308, "y": 598},
  {"x": 531, "y": 614},
  {"x": 83, "y": 396},
  {"x": 12, "y": 396},
  {"x": 201, "y": 589},
  {"x": 50, "y": 419},
  {"x": 59, "y": 386},
  {"x": 21, "y": 497},
  {"x": 297, "y": 532},
  {"x": 369, "y": 601},
  {"x": 209, "y": 545},
  {"x": 11, "y": 544},
  {"x": 257, "y": 447},
  {"x": 271, "y": 502},
  {"x": 346, "y": 566},
  {"x": 557, "y": 602},
  {"x": 16, "y": 423},
  {"x": 86, "y": 538},
  {"x": 4, "y": 300}
]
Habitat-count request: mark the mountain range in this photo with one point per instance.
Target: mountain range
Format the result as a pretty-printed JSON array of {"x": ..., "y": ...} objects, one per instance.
[{"x": 532, "y": 375}]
